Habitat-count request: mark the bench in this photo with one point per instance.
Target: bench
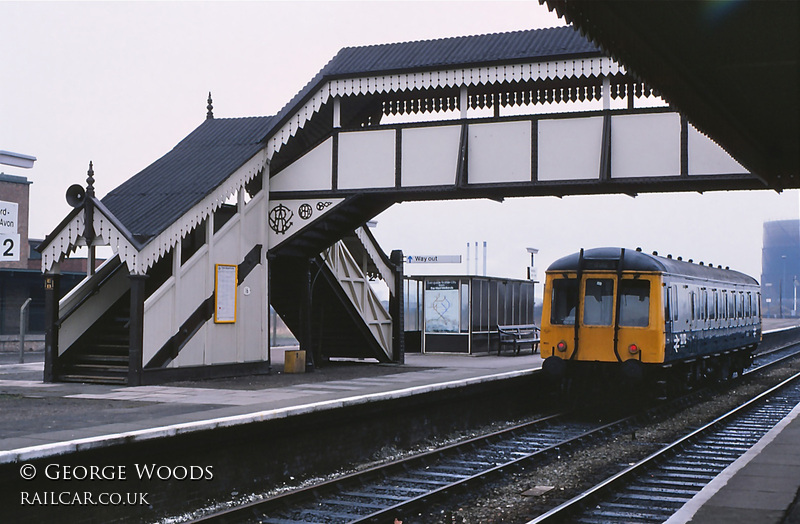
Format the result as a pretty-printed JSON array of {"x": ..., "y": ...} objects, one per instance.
[{"x": 518, "y": 335}]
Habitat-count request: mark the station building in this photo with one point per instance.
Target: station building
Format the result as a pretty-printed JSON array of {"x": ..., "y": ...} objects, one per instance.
[{"x": 22, "y": 279}]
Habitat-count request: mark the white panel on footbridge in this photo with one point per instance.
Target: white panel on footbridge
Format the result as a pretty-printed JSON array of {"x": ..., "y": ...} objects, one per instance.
[
  {"x": 430, "y": 156},
  {"x": 309, "y": 172},
  {"x": 645, "y": 145},
  {"x": 499, "y": 152},
  {"x": 569, "y": 148},
  {"x": 707, "y": 158},
  {"x": 366, "y": 159}
]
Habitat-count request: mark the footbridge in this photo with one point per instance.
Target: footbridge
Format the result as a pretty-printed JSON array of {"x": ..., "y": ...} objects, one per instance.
[{"x": 279, "y": 202}]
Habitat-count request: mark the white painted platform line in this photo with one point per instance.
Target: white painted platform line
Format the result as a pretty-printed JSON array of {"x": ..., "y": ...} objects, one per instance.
[{"x": 689, "y": 509}]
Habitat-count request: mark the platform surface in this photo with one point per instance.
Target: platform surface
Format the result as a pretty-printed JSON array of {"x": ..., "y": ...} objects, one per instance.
[{"x": 39, "y": 419}]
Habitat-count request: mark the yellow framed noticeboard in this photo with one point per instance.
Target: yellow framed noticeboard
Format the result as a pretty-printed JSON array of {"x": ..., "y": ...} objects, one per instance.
[{"x": 225, "y": 282}]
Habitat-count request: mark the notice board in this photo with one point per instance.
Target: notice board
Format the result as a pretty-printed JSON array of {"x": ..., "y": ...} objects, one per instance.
[{"x": 225, "y": 283}]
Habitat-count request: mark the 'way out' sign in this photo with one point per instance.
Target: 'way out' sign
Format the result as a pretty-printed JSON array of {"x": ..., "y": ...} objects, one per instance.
[
  {"x": 433, "y": 259},
  {"x": 9, "y": 238}
]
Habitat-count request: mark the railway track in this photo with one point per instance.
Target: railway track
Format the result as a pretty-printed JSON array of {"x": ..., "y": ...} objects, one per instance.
[
  {"x": 655, "y": 488},
  {"x": 379, "y": 493}
]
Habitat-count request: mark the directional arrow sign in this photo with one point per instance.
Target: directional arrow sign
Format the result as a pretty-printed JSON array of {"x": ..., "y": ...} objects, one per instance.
[{"x": 433, "y": 259}]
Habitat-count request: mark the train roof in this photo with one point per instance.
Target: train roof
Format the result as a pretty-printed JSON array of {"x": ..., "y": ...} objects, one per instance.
[{"x": 605, "y": 258}]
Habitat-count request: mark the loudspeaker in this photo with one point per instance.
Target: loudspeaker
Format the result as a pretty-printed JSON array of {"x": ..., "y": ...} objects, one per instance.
[{"x": 75, "y": 195}]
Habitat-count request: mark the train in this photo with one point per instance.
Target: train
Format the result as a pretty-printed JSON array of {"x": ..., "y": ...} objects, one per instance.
[{"x": 628, "y": 316}]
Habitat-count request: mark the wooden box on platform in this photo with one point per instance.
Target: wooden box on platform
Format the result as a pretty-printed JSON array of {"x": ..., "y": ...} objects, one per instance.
[{"x": 294, "y": 361}]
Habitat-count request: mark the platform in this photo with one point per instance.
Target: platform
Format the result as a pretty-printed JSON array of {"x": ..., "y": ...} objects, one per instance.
[{"x": 38, "y": 419}]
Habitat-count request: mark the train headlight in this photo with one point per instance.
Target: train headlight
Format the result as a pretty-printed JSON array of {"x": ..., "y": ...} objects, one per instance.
[
  {"x": 561, "y": 346},
  {"x": 633, "y": 349}
]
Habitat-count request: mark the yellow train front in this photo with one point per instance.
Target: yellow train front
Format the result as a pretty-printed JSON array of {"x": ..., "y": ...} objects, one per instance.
[{"x": 624, "y": 314}]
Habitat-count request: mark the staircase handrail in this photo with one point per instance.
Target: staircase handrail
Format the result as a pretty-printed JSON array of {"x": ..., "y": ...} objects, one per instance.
[
  {"x": 379, "y": 258},
  {"x": 90, "y": 287}
]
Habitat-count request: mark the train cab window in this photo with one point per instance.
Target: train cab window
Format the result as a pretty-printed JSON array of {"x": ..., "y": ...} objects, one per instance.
[
  {"x": 598, "y": 304},
  {"x": 564, "y": 302},
  {"x": 634, "y": 303}
]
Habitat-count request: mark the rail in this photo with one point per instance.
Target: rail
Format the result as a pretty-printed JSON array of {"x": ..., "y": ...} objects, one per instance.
[
  {"x": 93, "y": 286},
  {"x": 738, "y": 430}
]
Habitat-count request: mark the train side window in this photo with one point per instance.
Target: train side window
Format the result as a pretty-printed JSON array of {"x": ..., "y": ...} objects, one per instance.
[
  {"x": 712, "y": 306},
  {"x": 634, "y": 305},
  {"x": 564, "y": 301},
  {"x": 674, "y": 302},
  {"x": 598, "y": 303}
]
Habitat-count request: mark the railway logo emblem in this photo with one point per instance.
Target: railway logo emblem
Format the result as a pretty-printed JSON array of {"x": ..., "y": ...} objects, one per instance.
[
  {"x": 305, "y": 211},
  {"x": 280, "y": 219}
]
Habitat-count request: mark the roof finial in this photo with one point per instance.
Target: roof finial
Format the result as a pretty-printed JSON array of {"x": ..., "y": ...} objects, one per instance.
[
  {"x": 210, "y": 108},
  {"x": 90, "y": 180}
]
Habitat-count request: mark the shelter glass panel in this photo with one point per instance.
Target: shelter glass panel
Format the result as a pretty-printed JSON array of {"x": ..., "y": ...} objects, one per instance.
[
  {"x": 493, "y": 316},
  {"x": 464, "y": 307}
]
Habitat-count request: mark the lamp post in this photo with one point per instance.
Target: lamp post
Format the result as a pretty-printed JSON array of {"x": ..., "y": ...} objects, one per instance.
[
  {"x": 780, "y": 286},
  {"x": 532, "y": 274}
]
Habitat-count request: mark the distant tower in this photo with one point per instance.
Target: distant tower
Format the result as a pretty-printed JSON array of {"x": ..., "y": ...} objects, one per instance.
[{"x": 780, "y": 268}]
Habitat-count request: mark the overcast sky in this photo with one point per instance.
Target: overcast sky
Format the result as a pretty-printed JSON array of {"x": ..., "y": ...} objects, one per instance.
[{"x": 122, "y": 83}]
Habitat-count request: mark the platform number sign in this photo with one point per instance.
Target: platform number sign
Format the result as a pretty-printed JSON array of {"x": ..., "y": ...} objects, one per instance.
[
  {"x": 9, "y": 238},
  {"x": 9, "y": 248}
]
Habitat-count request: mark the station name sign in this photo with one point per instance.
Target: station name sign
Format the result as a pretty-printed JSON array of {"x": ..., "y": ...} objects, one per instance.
[{"x": 433, "y": 259}]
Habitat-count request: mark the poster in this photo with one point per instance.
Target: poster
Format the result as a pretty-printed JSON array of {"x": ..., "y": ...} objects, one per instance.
[
  {"x": 225, "y": 293},
  {"x": 441, "y": 306}
]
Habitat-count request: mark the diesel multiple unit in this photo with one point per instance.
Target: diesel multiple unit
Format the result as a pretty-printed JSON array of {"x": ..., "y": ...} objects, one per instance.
[{"x": 627, "y": 314}]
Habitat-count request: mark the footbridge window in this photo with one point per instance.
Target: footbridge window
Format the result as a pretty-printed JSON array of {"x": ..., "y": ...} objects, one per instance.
[{"x": 193, "y": 241}]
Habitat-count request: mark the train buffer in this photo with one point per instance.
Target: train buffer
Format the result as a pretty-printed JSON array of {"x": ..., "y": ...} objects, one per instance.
[{"x": 519, "y": 335}]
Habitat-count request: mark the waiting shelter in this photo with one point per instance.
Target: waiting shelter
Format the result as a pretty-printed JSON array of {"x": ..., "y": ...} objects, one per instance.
[{"x": 461, "y": 314}]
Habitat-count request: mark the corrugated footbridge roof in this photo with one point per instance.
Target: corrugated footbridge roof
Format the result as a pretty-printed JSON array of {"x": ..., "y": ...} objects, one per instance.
[{"x": 153, "y": 199}]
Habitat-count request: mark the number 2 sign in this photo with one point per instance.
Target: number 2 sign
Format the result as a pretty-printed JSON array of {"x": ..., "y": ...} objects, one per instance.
[{"x": 9, "y": 248}]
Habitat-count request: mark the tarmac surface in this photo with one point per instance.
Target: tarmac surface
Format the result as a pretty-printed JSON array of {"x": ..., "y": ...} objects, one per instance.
[{"x": 38, "y": 419}]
